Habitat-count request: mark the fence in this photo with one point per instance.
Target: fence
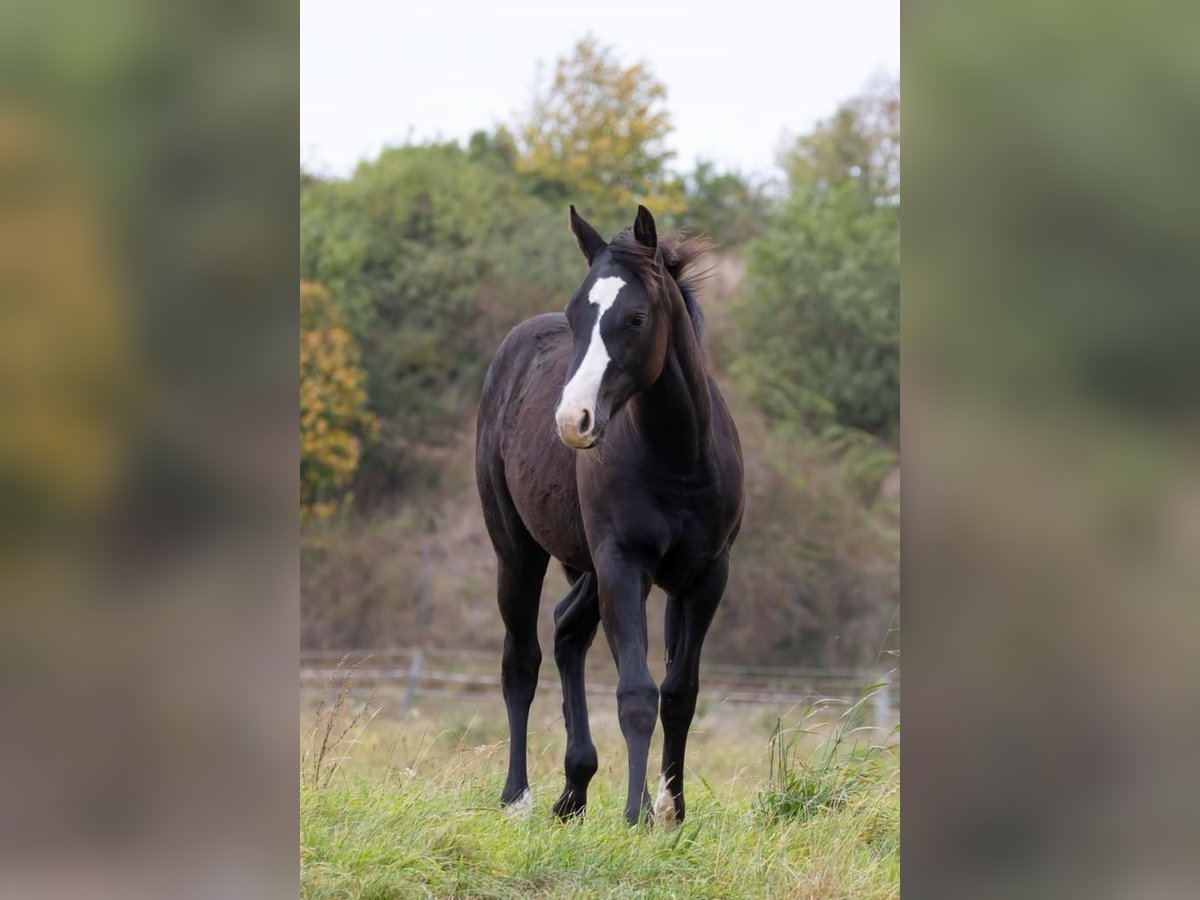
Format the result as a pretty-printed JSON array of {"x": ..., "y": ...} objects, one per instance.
[{"x": 462, "y": 673}]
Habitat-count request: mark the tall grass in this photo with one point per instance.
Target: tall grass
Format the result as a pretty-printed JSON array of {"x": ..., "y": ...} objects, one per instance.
[
  {"x": 329, "y": 738},
  {"x": 414, "y": 813},
  {"x": 850, "y": 762}
]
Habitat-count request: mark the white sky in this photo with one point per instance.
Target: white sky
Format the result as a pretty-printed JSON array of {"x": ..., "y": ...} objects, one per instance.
[{"x": 739, "y": 75}]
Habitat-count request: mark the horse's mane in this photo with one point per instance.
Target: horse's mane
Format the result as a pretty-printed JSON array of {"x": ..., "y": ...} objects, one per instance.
[{"x": 679, "y": 253}]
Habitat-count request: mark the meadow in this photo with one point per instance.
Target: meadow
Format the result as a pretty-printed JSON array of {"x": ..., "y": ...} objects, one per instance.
[{"x": 781, "y": 803}]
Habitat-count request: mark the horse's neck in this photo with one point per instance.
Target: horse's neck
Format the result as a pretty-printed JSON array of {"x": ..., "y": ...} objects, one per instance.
[{"x": 674, "y": 415}]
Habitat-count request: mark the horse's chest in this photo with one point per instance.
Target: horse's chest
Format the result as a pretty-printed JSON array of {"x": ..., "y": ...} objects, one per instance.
[
  {"x": 696, "y": 532},
  {"x": 681, "y": 520}
]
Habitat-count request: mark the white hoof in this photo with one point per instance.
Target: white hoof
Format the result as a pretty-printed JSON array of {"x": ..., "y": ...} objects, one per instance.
[
  {"x": 522, "y": 807},
  {"x": 664, "y": 805}
]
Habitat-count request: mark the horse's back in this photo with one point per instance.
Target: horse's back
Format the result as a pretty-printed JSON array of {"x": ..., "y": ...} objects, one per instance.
[{"x": 522, "y": 468}]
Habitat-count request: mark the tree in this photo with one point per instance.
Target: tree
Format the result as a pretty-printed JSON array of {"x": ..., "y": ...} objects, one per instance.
[
  {"x": 860, "y": 143},
  {"x": 726, "y": 206},
  {"x": 497, "y": 150},
  {"x": 595, "y": 136},
  {"x": 334, "y": 420},
  {"x": 819, "y": 316},
  {"x": 432, "y": 252}
]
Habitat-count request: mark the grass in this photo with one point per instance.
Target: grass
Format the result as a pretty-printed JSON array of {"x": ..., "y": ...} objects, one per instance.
[
  {"x": 796, "y": 806},
  {"x": 848, "y": 763}
]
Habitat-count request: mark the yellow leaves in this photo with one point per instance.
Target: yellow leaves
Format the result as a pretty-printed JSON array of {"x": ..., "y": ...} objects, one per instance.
[
  {"x": 334, "y": 419},
  {"x": 598, "y": 130},
  {"x": 67, "y": 359}
]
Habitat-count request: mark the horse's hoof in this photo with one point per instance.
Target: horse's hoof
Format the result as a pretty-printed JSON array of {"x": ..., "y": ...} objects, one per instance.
[
  {"x": 644, "y": 818},
  {"x": 521, "y": 808},
  {"x": 567, "y": 807}
]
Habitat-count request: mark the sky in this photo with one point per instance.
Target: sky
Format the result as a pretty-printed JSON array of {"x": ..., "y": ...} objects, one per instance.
[{"x": 741, "y": 75}]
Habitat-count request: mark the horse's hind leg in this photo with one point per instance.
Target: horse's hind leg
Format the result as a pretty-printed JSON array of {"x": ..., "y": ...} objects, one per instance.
[
  {"x": 576, "y": 619},
  {"x": 688, "y": 618},
  {"x": 518, "y": 589},
  {"x": 520, "y": 569}
]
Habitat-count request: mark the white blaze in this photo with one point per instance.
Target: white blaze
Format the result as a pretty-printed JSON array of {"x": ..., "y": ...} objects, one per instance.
[{"x": 584, "y": 387}]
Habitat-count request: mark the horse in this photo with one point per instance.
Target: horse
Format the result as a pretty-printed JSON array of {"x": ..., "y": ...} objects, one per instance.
[{"x": 603, "y": 441}]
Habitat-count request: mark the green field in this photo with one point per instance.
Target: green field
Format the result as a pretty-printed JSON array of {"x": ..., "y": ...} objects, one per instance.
[{"x": 407, "y": 807}]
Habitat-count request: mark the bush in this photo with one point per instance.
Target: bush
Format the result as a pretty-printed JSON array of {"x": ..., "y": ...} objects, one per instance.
[
  {"x": 334, "y": 420},
  {"x": 433, "y": 253},
  {"x": 819, "y": 314}
]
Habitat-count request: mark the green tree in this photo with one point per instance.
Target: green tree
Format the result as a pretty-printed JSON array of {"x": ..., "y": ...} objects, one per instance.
[
  {"x": 860, "y": 143},
  {"x": 497, "y": 149},
  {"x": 819, "y": 315},
  {"x": 726, "y": 206},
  {"x": 433, "y": 253},
  {"x": 595, "y": 135}
]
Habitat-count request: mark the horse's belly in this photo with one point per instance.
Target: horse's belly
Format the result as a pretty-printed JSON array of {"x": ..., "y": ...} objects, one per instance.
[
  {"x": 542, "y": 486},
  {"x": 567, "y": 544}
]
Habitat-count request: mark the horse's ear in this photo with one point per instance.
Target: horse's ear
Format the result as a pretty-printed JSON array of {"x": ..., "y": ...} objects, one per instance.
[
  {"x": 587, "y": 237},
  {"x": 644, "y": 231}
]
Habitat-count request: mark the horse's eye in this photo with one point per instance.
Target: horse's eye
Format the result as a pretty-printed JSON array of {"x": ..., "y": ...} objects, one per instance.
[{"x": 637, "y": 320}]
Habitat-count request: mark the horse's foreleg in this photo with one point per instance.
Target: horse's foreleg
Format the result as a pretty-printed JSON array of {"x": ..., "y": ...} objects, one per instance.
[
  {"x": 688, "y": 618},
  {"x": 519, "y": 585},
  {"x": 576, "y": 619},
  {"x": 623, "y": 590}
]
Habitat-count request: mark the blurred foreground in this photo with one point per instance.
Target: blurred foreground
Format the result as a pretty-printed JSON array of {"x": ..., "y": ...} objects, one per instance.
[
  {"x": 1052, "y": 505},
  {"x": 147, "y": 447}
]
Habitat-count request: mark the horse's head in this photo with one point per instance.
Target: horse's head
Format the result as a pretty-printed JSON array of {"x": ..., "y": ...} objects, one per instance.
[{"x": 620, "y": 326}]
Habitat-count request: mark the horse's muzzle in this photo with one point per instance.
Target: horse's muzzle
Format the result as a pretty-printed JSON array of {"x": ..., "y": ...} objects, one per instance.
[
  {"x": 571, "y": 436},
  {"x": 579, "y": 432}
]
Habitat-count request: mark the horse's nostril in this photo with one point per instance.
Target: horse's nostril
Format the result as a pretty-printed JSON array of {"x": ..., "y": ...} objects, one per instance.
[{"x": 585, "y": 422}]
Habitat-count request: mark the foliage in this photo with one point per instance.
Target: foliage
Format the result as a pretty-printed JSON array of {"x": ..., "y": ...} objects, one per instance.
[
  {"x": 859, "y": 144},
  {"x": 595, "y": 136},
  {"x": 333, "y": 415},
  {"x": 816, "y": 567},
  {"x": 726, "y": 206},
  {"x": 497, "y": 150},
  {"x": 433, "y": 252},
  {"x": 820, "y": 313}
]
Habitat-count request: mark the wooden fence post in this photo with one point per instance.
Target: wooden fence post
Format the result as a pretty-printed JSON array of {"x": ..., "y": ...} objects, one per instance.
[
  {"x": 882, "y": 701},
  {"x": 424, "y": 605},
  {"x": 410, "y": 684}
]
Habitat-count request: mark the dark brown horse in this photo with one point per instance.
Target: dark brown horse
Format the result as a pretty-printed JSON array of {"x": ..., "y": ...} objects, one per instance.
[{"x": 641, "y": 485}]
